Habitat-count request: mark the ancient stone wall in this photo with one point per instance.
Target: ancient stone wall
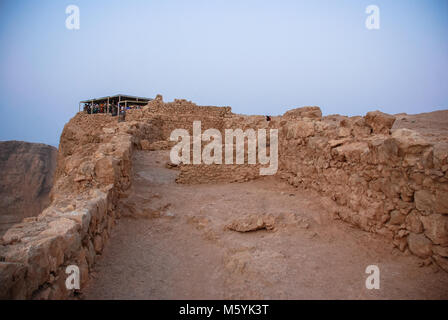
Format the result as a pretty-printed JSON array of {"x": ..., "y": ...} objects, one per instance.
[
  {"x": 180, "y": 114},
  {"x": 394, "y": 184},
  {"x": 389, "y": 183},
  {"x": 94, "y": 170},
  {"x": 203, "y": 173}
]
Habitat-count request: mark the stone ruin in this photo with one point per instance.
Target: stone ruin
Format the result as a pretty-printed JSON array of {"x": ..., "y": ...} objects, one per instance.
[{"x": 389, "y": 182}]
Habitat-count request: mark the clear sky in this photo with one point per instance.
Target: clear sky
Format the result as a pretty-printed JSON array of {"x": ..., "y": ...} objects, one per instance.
[{"x": 259, "y": 57}]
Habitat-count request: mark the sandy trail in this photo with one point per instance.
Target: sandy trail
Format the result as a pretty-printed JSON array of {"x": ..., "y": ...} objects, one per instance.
[{"x": 172, "y": 244}]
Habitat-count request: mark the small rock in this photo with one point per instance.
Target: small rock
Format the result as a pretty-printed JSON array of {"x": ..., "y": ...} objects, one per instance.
[
  {"x": 252, "y": 223},
  {"x": 396, "y": 218},
  {"x": 420, "y": 245}
]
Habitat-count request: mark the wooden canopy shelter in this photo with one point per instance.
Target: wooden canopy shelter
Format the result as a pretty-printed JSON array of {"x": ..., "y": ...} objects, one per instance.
[{"x": 118, "y": 100}]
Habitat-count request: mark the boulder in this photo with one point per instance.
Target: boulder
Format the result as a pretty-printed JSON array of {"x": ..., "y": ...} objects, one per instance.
[
  {"x": 413, "y": 222},
  {"x": 424, "y": 201},
  {"x": 107, "y": 170},
  {"x": 304, "y": 112},
  {"x": 299, "y": 129},
  {"x": 352, "y": 152},
  {"x": 252, "y": 223},
  {"x": 380, "y": 122},
  {"x": 436, "y": 228},
  {"x": 384, "y": 150},
  {"x": 396, "y": 218},
  {"x": 360, "y": 127},
  {"x": 441, "y": 202},
  {"x": 420, "y": 245}
]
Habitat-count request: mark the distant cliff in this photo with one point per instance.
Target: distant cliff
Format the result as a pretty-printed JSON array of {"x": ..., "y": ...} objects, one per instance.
[{"x": 26, "y": 178}]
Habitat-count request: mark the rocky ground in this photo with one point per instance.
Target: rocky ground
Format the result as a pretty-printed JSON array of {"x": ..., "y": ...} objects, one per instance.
[
  {"x": 431, "y": 125},
  {"x": 26, "y": 178},
  {"x": 262, "y": 239}
]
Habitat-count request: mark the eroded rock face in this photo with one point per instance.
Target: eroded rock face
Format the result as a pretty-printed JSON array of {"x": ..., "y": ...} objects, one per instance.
[{"x": 26, "y": 178}]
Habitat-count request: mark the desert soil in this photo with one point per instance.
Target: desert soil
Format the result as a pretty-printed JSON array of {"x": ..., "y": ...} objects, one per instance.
[{"x": 172, "y": 243}]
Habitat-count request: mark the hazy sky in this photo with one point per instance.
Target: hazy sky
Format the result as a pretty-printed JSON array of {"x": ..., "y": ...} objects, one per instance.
[{"x": 259, "y": 57}]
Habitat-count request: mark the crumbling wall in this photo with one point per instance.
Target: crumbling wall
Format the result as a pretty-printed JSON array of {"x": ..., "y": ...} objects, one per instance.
[
  {"x": 203, "y": 173},
  {"x": 94, "y": 170},
  {"x": 180, "y": 114},
  {"x": 392, "y": 183}
]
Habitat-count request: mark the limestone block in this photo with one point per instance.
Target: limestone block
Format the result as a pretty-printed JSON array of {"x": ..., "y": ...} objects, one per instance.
[
  {"x": 420, "y": 245},
  {"x": 436, "y": 228},
  {"x": 380, "y": 122}
]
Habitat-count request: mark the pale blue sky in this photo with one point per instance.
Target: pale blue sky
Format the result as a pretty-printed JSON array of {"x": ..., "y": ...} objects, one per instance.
[{"x": 259, "y": 57}]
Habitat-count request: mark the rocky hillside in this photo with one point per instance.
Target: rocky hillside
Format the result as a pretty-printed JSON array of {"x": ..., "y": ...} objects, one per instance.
[{"x": 26, "y": 178}]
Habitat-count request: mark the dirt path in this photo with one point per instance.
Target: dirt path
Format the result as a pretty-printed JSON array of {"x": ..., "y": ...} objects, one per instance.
[{"x": 173, "y": 244}]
